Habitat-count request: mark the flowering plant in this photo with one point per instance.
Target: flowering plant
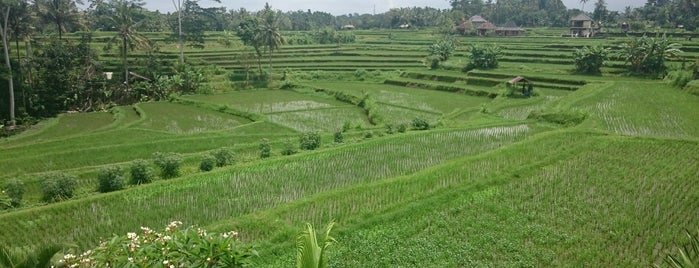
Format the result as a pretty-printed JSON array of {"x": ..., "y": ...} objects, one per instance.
[{"x": 174, "y": 247}]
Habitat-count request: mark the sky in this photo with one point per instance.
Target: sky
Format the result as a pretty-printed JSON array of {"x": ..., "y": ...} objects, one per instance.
[{"x": 338, "y": 7}]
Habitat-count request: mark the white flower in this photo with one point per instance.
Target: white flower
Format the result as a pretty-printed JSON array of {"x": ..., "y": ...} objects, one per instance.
[
  {"x": 130, "y": 259},
  {"x": 132, "y": 236},
  {"x": 165, "y": 262}
]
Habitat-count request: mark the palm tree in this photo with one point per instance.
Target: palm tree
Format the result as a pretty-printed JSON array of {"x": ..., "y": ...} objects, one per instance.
[
  {"x": 59, "y": 12},
  {"x": 125, "y": 19},
  {"x": 269, "y": 35},
  {"x": 583, "y": 2}
]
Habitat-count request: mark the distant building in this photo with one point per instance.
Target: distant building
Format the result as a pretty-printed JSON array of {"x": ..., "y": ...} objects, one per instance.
[
  {"x": 583, "y": 26},
  {"x": 510, "y": 29},
  {"x": 477, "y": 20},
  {"x": 486, "y": 28},
  {"x": 348, "y": 27},
  {"x": 404, "y": 26},
  {"x": 465, "y": 27}
]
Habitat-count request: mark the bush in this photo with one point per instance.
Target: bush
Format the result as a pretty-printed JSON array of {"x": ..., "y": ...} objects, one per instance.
[
  {"x": 289, "y": 148},
  {"x": 140, "y": 172},
  {"x": 402, "y": 128},
  {"x": 169, "y": 164},
  {"x": 309, "y": 141},
  {"x": 223, "y": 157},
  {"x": 692, "y": 87},
  {"x": 679, "y": 78},
  {"x": 265, "y": 149},
  {"x": 207, "y": 163},
  {"x": 368, "y": 134},
  {"x": 483, "y": 57},
  {"x": 110, "y": 179},
  {"x": 172, "y": 247},
  {"x": 338, "y": 137},
  {"x": 589, "y": 60},
  {"x": 57, "y": 187},
  {"x": 420, "y": 124},
  {"x": 14, "y": 189}
]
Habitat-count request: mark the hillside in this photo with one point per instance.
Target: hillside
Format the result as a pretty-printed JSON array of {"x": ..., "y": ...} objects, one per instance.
[{"x": 597, "y": 171}]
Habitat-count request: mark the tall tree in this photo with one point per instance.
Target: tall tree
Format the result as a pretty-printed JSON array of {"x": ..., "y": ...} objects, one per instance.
[
  {"x": 270, "y": 36},
  {"x": 248, "y": 32},
  {"x": 600, "y": 13},
  {"x": 583, "y": 2},
  {"x": 62, "y": 13},
  {"x": 179, "y": 4},
  {"x": 3, "y": 34},
  {"x": 126, "y": 18}
]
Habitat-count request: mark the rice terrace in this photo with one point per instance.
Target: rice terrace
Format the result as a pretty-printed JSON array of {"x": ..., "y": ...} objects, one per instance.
[{"x": 421, "y": 137}]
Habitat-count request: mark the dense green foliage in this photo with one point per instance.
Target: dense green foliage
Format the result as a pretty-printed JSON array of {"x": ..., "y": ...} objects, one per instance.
[
  {"x": 14, "y": 188},
  {"x": 173, "y": 247},
  {"x": 169, "y": 164},
  {"x": 110, "y": 179},
  {"x": 647, "y": 55},
  {"x": 483, "y": 57},
  {"x": 309, "y": 141},
  {"x": 140, "y": 172},
  {"x": 590, "y": 60},
  {"x": 57, "y": 187}
]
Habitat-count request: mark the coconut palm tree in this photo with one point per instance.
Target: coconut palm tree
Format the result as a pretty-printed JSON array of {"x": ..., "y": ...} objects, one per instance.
[
  {"x": 126, "y": 18},
  {"x": 59, "y": 12},
  {"x": 583, "y": 2},
  {"x": 269, "y": 35}
]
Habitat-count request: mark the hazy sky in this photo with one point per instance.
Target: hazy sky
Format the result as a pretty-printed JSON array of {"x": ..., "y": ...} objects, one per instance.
[{"x": 338, "y": 7}]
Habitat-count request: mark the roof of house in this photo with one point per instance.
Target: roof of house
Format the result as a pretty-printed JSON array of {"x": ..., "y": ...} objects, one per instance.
[
  {"x": 581, "y": 17},
  {"x": 487, "y": 26},
  {"x": 478, "y": 19}
]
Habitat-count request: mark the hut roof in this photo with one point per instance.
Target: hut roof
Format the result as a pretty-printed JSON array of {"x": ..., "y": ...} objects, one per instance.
[
  {"x": 581, "y": 17},
  {"x": 517, "y": 80},
  {"x": 477, "y": 19},
  {"x": 487, "y": 26}
]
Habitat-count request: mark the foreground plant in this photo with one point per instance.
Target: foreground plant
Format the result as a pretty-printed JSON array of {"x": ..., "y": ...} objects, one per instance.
[
  {"x": 309, "y": 254},
  {"x": 173, "y": 247},
  {"x": 686, "y": 256}
]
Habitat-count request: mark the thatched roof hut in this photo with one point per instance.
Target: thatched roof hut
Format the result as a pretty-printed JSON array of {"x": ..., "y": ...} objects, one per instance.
[{"x": 484, "y": 28}]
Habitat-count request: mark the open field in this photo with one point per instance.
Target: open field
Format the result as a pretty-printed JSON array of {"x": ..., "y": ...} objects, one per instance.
[{"x": 489, "y": 185}]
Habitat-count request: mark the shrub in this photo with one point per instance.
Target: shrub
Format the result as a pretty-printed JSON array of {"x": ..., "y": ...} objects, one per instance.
[
  {"x": 338, "y": 137},
  {"x": 265, "y": 149},
  {"x": 110, "y": 179},
  {"x": 443, "y": 49},
  {"x": 207, "y": 163},
  {"x": 289, "y": 148},
  {"x": 14, "y": 189},
  {"x": 589, "y": 60},
  {"x": 483, "y": 57},
  {"x": 172, "y": 247},
  {"x": 692, "y": 87},
  {"x": 646, "y": 56},
  {"x": 169, "y": 164},
  {"x": 420, "y": 124},
  {"x": 141, "y": 173},
  {"x": 402, "y": 128},
  {"x": 223, "y": 157},
  {"x": 57, "y": 187},
  {"x": 368, "y": 134},
  {"x": 679, "y": 78},
  {"x": 309, "y": 141}
]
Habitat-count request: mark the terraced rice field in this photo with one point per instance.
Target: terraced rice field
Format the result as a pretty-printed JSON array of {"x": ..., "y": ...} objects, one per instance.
[{"x": 487, "y": 185}]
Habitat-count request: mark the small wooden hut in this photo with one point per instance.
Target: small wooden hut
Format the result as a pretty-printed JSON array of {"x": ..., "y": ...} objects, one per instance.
[
  {"x": 520, "y": 82},
  {"x": 465, "y": 27}
]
